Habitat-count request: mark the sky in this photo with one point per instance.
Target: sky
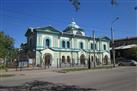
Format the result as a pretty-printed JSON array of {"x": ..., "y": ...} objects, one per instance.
[{"x": 17, "y": 15}]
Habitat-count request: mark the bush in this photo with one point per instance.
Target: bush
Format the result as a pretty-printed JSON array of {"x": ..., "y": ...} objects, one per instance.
[{"x": 3, "y": 67}]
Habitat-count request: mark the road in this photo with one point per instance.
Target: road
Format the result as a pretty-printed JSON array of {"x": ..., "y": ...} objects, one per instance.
[{"x": 117, "y": 79}]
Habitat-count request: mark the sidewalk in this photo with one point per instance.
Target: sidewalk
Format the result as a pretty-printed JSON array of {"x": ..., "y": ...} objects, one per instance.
[{"x": 38, "y": 69}]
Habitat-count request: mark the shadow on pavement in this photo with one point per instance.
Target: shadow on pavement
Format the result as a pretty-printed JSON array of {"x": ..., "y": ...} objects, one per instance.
[{"x": 43, "y": 86}]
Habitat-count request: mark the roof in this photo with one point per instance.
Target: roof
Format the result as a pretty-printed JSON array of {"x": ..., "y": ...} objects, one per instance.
[
  {"x": 126, "y": 46},
  {"x": 52, "y": 30},
  {"x": 128, "y": 38},
  {"x": 47, "y": 29},
  {"x": 73, "y": 26}
]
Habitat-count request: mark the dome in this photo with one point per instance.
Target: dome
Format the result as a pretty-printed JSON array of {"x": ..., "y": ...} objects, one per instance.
[
  {"x": 74, "y": 25},
  {"x": 73, "y": 28}
]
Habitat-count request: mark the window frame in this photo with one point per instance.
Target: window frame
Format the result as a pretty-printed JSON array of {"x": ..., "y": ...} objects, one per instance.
[
  {"x": 47, "y": 44},
  {"x": 63, "y": 44},
  {"x": 68, "y": 44},
  {"x": 81, "y": 45},
  {"x": 104, "y": 47}
]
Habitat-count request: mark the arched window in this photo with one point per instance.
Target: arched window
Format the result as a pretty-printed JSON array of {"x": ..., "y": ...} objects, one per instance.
[
  {"x": 79, "y": 33},
  {"x": 95, "y": 45},
  {"x": 81, "y": 45},
  {"x": 91, "y": 46},
  {"x": 104, "y": 46},
  {"x": 47, "y": 43},
  {"x": 63, "y": 44},
  {"x": 68, "y": 44},
  {"x": 68, "y": 59},
  {"x": 63, "y": 59}
]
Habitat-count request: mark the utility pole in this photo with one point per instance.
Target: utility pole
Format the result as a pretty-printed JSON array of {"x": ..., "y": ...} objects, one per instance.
[
  {"x": 89, "y": 62},
  {"x": 113, "y": 46},
  {"x": 112, "y": 40},
  {"x": 94, "y": 60}
]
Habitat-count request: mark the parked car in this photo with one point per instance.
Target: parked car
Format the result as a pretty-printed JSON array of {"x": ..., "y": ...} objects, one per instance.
[{"x": 127, "y": 63}]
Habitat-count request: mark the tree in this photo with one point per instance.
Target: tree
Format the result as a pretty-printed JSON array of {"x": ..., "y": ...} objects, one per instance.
[{"x": 6, "y": 45}]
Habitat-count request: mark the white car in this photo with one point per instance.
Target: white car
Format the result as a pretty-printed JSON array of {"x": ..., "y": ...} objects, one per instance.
[{"x": 127, "y": 63}]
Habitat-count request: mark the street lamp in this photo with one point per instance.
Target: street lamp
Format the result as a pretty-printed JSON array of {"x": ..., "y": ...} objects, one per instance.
[{"x": 112, "y": 39}]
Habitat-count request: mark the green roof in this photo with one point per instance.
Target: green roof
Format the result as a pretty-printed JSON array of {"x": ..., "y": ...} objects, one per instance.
[
  {"x": 47, "y": 29},
  {"x": 72, "y": 28}
]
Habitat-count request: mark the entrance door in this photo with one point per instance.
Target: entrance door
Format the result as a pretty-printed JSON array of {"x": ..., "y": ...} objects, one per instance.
[
  {"x": 47, "y": 60},
  {"x": 106, "y": 60},
  {"x": 82, "y": 59}
]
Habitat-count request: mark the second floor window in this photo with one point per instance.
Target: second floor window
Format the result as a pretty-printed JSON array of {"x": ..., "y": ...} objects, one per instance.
[
  {"x": 95, "y": 46},
  {"x": 68, "y": 44},
  {"x": 47, "y": 43},
  {"x": 63, "y": 44},
  {"x": 104, "y": 47},
  {"x": 92, "y": 46},
  {"x": 81, "y": 45},
  {"x": 79, "y": 33}
]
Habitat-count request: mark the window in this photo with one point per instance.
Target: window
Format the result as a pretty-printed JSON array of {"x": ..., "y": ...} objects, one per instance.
[
  {"x": 63, "y": 59},
  {"x": 79, "y": 33},
  {"x": 68, "y": 44},
  {"x": 81, "y": 45},
  {"x": 68, "y": 59},
  {"x": 104, "y": 46},
  {"x": 47, "y": 43},
  {"x": 95, "y": 45},
  {"x": 63, "y": 44},
  {"x": 91, "y": 46}
]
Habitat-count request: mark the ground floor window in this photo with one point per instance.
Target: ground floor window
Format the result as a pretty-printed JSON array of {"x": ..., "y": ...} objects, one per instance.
[
  {"x": 63, "y": 59},
  {"x": 68, "y": 59}
]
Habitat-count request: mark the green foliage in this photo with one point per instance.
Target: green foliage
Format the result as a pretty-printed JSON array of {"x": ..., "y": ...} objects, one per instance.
[
  {"x": 3, "y": 67},
  {"x": 131, "y": 53},
  {"x": 7, "y": 52},
  {"x": 6, "y": 43}
]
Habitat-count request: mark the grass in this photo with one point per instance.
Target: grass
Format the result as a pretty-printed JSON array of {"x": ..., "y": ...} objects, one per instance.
[{"x": 84, "y": 68}]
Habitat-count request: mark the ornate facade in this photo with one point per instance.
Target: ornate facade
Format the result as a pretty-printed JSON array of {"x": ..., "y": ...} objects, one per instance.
[{"x": 68, "y": 48}]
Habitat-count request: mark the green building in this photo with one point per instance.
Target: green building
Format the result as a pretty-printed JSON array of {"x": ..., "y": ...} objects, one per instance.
[{"x": 71, "y": 47}]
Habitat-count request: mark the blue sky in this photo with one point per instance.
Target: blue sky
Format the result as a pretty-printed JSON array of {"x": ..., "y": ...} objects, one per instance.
[{"x": 17, "y": 15}]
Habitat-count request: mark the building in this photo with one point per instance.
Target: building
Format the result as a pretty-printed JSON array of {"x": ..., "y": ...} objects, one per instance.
[
  {"x": 123, "y": 44},
  {"x": 125, "y": 41},
  {"x": 71, "y": 47}
]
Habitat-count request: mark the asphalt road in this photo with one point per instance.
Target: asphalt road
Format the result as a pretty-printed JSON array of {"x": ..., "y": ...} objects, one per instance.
[{"x": 117, "y": 79}]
